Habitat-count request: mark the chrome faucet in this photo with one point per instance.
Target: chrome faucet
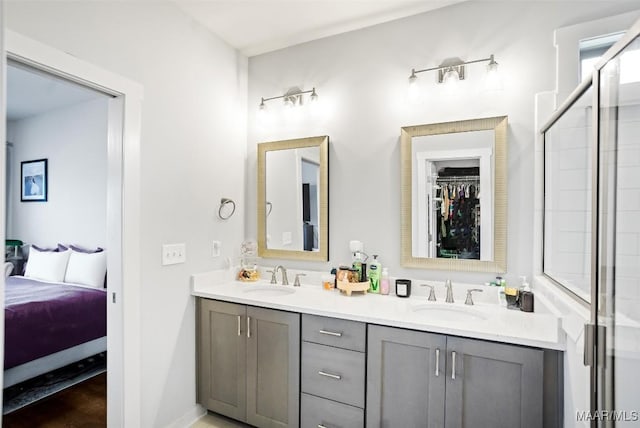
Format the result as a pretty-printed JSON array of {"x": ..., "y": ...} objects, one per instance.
[
  {"x": 285, "y": 280},
  {"x": 449, "y": 288},
  {"x": 296, "y": 283},
  {"x": 432, "y": 293},
  {"x": 469, "y": 300},
  {"x": 273, "y": 276}
]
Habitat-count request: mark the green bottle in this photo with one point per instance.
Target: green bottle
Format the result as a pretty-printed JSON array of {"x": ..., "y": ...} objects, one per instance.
[{"x": 374, "y": 275}]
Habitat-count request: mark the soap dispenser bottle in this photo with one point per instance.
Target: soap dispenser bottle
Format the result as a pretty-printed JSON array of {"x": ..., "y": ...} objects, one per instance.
[
  {"x": 384, "y": 281},
  {"x": 526, "y": 296}
]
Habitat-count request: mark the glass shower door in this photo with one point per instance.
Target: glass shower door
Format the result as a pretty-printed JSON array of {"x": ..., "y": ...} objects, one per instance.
[{"x": 618, "y": 293}]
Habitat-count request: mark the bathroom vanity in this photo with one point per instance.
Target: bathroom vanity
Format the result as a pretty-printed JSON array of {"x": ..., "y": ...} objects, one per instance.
[{"x": 283, "y": 356}]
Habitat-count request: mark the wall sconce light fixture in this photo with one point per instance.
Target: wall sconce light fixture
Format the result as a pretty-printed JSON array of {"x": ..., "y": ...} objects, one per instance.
[
  {"x": 453, "y": 69},
  {"x": 293, "y": 97}
]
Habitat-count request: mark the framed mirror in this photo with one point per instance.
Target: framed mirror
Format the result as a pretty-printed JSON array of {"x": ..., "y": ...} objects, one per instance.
[
  {"x": 454, "y": 195},
  {"x": 293, "y": 199}
]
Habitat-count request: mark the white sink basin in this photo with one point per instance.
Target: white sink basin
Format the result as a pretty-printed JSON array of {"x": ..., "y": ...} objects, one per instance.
[
  {"x": 268, "y": 290},
  {"x": 449, "y": 312}
]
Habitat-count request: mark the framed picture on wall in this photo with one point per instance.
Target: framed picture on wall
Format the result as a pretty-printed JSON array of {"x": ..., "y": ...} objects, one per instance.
[{"x": 34, "y": 182}]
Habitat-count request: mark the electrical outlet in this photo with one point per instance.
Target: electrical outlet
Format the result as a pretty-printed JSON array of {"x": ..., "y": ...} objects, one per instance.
[
  {"x": 216, "y": 248},
  {"x": 287, "y": 239},
  {"x": 173, "y": 254}
]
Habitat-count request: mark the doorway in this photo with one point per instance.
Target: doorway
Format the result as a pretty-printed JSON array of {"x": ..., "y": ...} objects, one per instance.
[
  {"x": 123, "y": 214},
  {"x": 61, "y": 126}
]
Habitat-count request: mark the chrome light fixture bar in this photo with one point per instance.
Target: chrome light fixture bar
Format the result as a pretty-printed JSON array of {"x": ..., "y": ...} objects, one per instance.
[
  {"x": 292, "y": 97},
  {"x": 453, "y": 68}
]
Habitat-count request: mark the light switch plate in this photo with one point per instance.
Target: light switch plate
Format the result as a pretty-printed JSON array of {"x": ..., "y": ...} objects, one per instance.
[
  {"x": 173, "y": 254},
  {"x": 215, "y": 248}
]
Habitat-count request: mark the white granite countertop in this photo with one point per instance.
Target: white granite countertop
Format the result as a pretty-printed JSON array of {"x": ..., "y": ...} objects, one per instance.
[{"x": 485, "y": 320}]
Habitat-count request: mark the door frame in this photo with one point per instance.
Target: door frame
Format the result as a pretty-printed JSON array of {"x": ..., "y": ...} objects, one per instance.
[
  {"x": 123, "y": 215},
  {"x": 424, "y": 201}
]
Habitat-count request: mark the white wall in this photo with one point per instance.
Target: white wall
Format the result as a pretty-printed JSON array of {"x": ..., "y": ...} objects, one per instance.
[
  {"x": 193, "y": 148},
  {"x": 74, "y": 140},
  {"x": 361, "y": 78}
]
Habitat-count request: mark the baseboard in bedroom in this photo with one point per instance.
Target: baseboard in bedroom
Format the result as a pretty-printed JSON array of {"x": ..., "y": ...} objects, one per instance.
[{"x": 18, "y": 396}]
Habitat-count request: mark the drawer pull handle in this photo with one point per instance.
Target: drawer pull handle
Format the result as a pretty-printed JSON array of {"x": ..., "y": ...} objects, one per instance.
[
  {"x": 453, "y": 364},
  {"x": 248, "y": 327},
  {"x": 239, "y": 328},
  {"x": 437, "y": 362},
  {"x": 332, "y": 376},
  {"x": 321, "y": 426},
  {"x": 331, "y": 333}
]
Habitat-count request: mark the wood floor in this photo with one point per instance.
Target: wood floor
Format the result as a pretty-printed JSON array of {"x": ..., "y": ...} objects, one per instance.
[{"x": 80, "y": 406}]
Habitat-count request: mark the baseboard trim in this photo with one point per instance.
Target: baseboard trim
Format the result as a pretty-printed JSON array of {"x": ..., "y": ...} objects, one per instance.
[{"x": 189, "y": 418}]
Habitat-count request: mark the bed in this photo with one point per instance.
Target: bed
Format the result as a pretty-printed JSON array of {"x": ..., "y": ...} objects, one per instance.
[{"x": 49, "y": 325}]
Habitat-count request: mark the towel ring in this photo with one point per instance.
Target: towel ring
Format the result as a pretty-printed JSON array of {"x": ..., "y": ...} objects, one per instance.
[{"x": 224, "y": 202}]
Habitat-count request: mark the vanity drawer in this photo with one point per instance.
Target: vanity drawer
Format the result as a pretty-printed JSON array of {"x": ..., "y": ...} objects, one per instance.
[
  {"x": 316, "y": 412},
  {"x": 334, "y": 332},
  {"x": 337, "y": 374}
]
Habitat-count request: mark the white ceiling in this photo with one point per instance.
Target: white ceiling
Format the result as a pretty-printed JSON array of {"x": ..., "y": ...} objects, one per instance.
[
  {"x": 31, "y": 92},
  {"x": 258, "y": 26}
]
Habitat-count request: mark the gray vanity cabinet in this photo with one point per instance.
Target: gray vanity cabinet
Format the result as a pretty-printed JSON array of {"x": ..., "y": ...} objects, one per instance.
[
  {"x": 428, "y": 380},
  {"x": 249, "y": 363},
  {"x": 493, "y": 385},
  {"x": 333, "y": 372},
  {"x": 405, "y": 378},
  {"x": 222, "y": 376}
]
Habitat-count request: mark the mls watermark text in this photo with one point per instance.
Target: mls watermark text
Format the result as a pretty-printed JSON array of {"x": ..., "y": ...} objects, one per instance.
[{"x": 608, "y": 415}]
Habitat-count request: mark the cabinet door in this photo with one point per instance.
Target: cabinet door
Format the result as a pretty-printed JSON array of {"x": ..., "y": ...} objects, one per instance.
[
  {"x": 222, "y": 358},
  {"x": 405, "y": 378},
  {"x": 273, "y": 368},
  {"x": 493, "y": 385}
]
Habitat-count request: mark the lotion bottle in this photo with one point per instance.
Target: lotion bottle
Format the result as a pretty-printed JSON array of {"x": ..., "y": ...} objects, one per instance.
[
  {"x": 384, "y": 281},
  {"x": 357, "y": 263},
  {"x": 526, "y": 296},
  {"x": 374, "y": 275}
]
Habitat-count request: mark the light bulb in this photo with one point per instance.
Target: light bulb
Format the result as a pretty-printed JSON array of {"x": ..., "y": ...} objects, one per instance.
[
  {"x": 263, "y": 114},
  {"x": 451, "y": 77},
  {"x": 413, "y": 90},
  {"x": 493, "y": 81},
  {"x": 315, "y": 106}
]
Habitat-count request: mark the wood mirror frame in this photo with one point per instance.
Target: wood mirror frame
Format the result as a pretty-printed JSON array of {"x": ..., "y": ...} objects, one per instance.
[{"x": 322, "y": 254}]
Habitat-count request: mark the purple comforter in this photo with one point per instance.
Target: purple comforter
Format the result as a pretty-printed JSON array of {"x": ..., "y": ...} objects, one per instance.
[{"x": 42, "y": 318}]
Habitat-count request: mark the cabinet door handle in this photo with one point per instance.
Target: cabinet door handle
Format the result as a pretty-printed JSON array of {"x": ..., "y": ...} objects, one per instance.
[
  {"x": 239, "y": 328},
  {"x": 438, "y": 362},
  {"x": 331, "y": 375},
  {"x": 321, "y": 426},
  {"x": 331, "y": 333},
  {"x": 453, "y": 365},
  {"x": 248, "y": 327}
]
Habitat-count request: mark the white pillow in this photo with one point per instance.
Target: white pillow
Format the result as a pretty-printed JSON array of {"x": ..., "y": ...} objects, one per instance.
[
  {"x": 47, "y": 265},
  {"x": 87, "y": 268}
]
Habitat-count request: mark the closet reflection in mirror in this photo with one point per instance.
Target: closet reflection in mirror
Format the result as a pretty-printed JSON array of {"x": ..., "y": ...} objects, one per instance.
[
  {"x": 454, "y": 195},
  {"x": 292, "y": 199},
  {"x": 451, "y": 216}
]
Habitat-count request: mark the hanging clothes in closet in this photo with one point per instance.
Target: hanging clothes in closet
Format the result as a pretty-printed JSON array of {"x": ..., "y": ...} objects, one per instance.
[{"x": 459, "y": 218}]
